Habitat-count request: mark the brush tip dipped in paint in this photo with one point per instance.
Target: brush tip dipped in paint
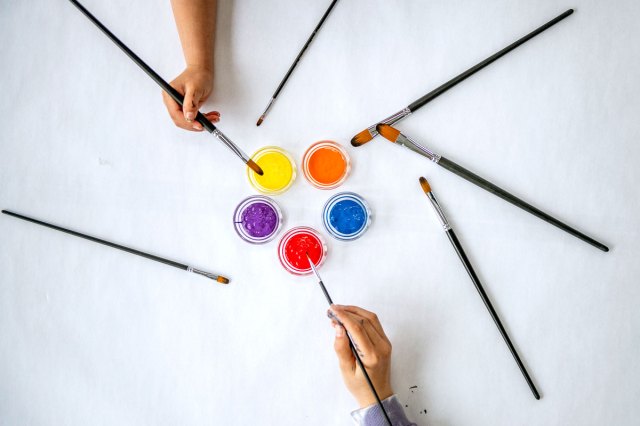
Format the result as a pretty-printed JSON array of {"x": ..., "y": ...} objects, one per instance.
[
  {"x": 361, "y": 138},
  {"x": 253, "y": 166},
  {"x": 388, "y": 132},
  {"x": 425, "y": 185},
  {"x": 222, "y": 280},
  {"x": 260, "y": 120}
]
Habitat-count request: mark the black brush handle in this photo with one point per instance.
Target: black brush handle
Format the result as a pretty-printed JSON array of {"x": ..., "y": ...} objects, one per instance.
[
  {"x": 304, "y": 48},
  {"x": 98, "y": 240},
  {"x": 488, "y": 186},
  {"x": 175, "y": 95},
  {"x": 468, "y": 73},
  {"x": 485, "y": 299}
]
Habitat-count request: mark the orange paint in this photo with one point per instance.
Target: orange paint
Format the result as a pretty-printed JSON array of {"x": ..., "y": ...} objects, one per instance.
[{"x": 326, "y": 164}]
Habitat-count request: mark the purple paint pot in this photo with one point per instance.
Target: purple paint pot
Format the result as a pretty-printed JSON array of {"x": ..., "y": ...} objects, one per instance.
[{"x": 257, "y": 219}]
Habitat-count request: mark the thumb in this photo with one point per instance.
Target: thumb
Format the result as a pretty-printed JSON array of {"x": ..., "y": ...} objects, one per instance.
[
  {"x": 343, "y": 350},
  {"x": 191, "y": 102}
]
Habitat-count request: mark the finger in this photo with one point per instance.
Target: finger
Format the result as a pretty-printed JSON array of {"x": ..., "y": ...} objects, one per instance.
[
  {"x": 371, "y": 316},
  {"x": 346, "y": 361},
  {"x": 175, "y": 112},
  {"x": 355, "y": 328},
  {"x": 191, "y": 103},
  {"x": 213, "y": 116}
]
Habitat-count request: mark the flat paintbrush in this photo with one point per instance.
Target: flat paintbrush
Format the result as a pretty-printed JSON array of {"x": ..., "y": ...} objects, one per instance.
[
  {"x": 175, "y": 95},
  {"x": 351, "y": 342},
  {"x": 217, "y": 278},
  {"x": 476, "y": 282},
  {"x": 370, "y": 132},
  {"x": 395, "y": 136},
  {"x": 295, "y": 62}
]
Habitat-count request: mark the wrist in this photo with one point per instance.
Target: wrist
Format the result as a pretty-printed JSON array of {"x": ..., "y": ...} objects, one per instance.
[
  {"x": 201, "y": 66},
  {"x": 369, "y": 399}
]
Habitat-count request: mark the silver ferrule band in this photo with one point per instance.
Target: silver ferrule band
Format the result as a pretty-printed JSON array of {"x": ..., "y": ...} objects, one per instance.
[
  {"x": 233, "y": 147},
  {"x": 203, "y": 273},
  {"x": 266, "y": 110},
  {"x": 389, "y": 120},
  {"x": 416, "y": 147},
  {"x": 436, "y": 207}
]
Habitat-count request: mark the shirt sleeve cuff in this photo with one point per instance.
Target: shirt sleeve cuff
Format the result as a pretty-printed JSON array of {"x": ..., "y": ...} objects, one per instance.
[{"x": 373, "y": 416}]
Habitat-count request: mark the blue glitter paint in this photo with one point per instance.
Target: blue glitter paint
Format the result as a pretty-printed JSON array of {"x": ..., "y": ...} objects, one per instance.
[{"x": 347, "y": 217}]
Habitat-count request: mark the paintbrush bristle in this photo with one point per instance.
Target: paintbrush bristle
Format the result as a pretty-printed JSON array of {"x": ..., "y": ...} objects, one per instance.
[
  {"x": 260, "y": 120},
  {"x": 425, "y": 185},
  {"x": 362, "y": 138},
  {"x": 222, "y": 280},
  {"x": 253, "y": 166},
  {"x": 388, "y": 132}
]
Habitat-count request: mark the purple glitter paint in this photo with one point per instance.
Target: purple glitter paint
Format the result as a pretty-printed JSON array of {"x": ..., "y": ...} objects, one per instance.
[{"x": 259, "y": 219}]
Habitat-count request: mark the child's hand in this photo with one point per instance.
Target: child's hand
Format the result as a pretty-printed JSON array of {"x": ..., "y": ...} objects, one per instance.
[
  {"x": 373, "y": 347},
  {"x": 196, "y": 85}
]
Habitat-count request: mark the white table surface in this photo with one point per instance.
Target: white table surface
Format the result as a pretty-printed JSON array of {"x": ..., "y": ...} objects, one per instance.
[{"x": 91, "y": 335}]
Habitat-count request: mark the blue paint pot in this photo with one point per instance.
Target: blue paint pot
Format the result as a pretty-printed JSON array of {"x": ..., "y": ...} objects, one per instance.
[{"x": 346, "y": 216}]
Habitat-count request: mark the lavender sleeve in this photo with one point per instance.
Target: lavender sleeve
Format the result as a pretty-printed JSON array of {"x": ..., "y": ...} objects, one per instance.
[{"x": 372, "y": 415}]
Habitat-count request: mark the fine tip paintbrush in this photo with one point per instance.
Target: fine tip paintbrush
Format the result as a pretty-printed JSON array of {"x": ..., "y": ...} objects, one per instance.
[
  {"x": 351, "y": 342},
  {"x": 476, "y": 281},
  {"x": 295, "y": 62},
  {"x": 370, "y": 132},
  {"x": 175, "y": 95},
  {"x": 218, "y": 278},
  {"x": 394, "y": 135}
]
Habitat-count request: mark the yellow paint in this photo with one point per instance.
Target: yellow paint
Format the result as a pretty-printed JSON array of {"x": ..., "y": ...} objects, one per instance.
[{"x": 279, "y": 171}]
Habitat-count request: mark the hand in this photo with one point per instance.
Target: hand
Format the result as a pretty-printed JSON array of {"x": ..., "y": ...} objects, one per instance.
[
  {"x": 195, "y": 83},
  {"x": 372, "y": 345}
]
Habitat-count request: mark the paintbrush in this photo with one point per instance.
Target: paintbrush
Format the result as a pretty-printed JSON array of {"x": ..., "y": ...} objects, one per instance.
[
  {"x": 395, "y": 136},
  {"x": 351, "y": 342},
  {"x": 295, "y": 62},
  {"x": 476, "y": 281},
  {"x": 370, "y": 132},
  {"x": 218, "y": 278},
  {"x": 175, "y": 95}
]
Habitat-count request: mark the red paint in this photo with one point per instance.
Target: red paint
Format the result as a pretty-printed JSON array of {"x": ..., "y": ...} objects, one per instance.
[{"x": 296, "y": 248}]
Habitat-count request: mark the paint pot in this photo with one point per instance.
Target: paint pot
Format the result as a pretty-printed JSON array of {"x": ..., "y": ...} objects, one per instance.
[
  {"x": 278, "y": 167},
  {"x": 326, "y": 164},
  {"x": 294, "y": 245},
  {"x": 346, "y": 216},
  {"x": 257, "y": 219}
]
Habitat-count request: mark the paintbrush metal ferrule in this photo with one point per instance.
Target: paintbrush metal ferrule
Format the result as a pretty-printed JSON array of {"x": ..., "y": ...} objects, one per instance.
[
  {"x": 266, "y": 111},
  {"x": 392, "y": 119},
  {"x": 436, "y": 207},
  {"x": 416, "y": 147},
  {"x": 209, "y": 275},
  {"x": 229, "y": 143}
]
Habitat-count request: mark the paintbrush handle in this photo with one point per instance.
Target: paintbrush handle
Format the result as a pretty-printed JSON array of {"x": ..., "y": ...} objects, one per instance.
[
  {"x": 485, "y": 299},
  {"x": 474, "y": 69},
  {"x": 175, "y": 95},
  {"x": 488, "y": 186}
]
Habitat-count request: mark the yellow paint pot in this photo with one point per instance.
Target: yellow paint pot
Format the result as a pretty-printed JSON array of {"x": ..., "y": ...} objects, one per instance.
[{"x": 278, "y": 167}]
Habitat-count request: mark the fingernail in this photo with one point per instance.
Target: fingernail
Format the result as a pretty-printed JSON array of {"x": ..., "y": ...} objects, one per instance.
[
  {"x": 330, "y": 314},
  {"x": 189, "y": 117},
  {"x": 339, "y": 331},
  {"x": 197, "y": 127}
]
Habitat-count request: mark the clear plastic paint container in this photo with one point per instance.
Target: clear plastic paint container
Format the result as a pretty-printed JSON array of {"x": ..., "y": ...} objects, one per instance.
[
  {"x": 257, "y": 219},
  {"x": 278, "y": 167},
  {"x": 294, "y": 245},
  {"x": 346, "y": 216},
  {"x": 326, "y": 164}
]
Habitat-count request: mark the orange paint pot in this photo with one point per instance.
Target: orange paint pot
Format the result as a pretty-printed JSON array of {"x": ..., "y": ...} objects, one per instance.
[{"x": 326, "y": 164}]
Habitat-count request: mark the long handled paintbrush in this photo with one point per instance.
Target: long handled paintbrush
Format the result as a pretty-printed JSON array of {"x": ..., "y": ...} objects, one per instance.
[
  {"x": 215, "y": 277},
  {"x": 351, "y": 343},
  {"x": 295, "y": 62},
  {"x": 395, "y": 136},
  {"x": 476, "y": 282},
  {"x": 175, "y": 95},
  {"x": 370, "y": 132}
]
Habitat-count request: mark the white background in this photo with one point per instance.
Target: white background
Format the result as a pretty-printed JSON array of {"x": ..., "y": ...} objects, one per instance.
[{"x": 91, "y": 335}]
